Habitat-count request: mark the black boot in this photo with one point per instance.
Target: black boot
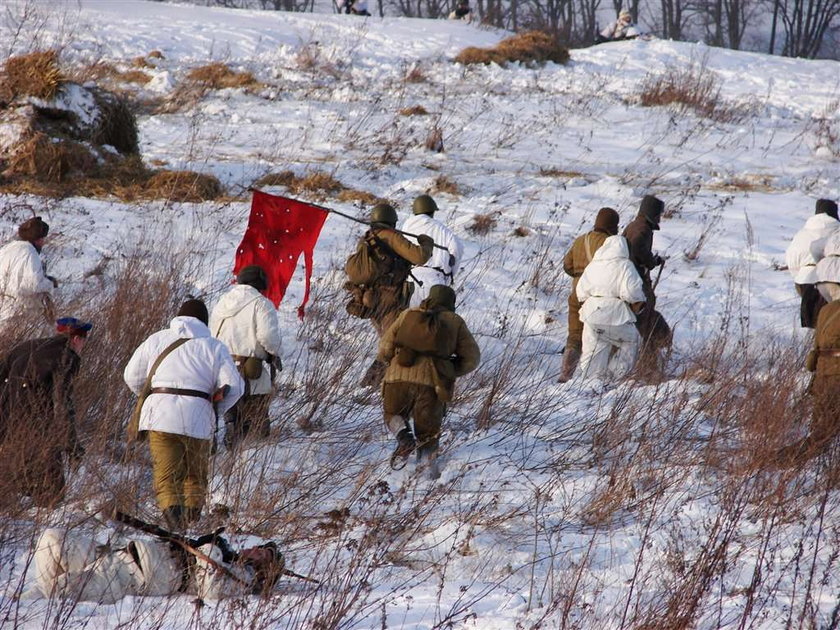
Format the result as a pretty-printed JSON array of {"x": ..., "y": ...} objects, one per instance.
[
  {"x": 405, "y": 446},
  {"x": 427, "y": 458},
  {"x": 174, "y": 517}
]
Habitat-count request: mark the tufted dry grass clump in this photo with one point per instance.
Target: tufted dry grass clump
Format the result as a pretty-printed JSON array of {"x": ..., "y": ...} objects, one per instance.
[
  {"x": 218, "y": 76},
  {"x": 692, "y": 88},
  {"x": 183, "y": 186},
  {"x": 35, "y": 74},
  {"x": 414, "y": 110},
  {"x": 444, "y": 184},
  {"x": 529, "y": 48},
  {"x": 483, "y": 223},
  {"x": 46, "y": 161},
  {"x": 108, "y": 72},
  {"x": 317, "y": 185}
]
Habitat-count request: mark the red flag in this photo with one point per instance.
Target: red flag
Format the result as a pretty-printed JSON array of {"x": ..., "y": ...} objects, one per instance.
[{"x": 279, "y": 230}]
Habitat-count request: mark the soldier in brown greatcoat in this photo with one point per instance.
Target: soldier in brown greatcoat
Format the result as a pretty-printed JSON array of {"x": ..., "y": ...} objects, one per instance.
[
  {"x": 37, "y": 416},
  {"x": 652, "y": 327},
  {"x": 579, "y": 255},
  {"x": 425, "y": 349},
  {"x": 824, "y": 361},
  {"x": 387, "y": 257}
]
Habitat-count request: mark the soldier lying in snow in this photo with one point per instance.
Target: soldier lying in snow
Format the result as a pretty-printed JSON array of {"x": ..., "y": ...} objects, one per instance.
[{"x": 73, "y": 566}]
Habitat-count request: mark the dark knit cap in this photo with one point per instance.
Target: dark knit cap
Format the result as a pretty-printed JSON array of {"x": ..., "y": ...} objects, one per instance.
[
  {"x": 72, "y": 327},
  {"x": 440, "y": 296},
  {"x": 33, "y": 229},
  {"x": 826, "y": 206},
  {"x": 651, "y": 209},
  {"x": 607, "y": 221},
  {"x": 194, "y": 308},
  {"x": 253, "y": 276}
]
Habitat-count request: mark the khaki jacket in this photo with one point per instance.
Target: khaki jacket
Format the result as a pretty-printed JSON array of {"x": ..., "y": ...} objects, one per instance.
[
  {"x": 459, "y": 344},
  {"x": 402, "y": 247},
  {"x": 580, "y": 254},
  {"x": 826, "y": 340}
]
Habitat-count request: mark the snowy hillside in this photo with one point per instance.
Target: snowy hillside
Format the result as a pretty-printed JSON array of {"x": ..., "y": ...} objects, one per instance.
[{"x": 558, "y": 506}]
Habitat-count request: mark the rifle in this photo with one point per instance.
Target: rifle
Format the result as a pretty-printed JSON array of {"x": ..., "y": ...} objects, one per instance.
[{"x": 190, "y": 545}]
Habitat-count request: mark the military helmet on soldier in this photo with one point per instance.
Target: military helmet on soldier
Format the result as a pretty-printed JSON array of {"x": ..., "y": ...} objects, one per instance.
[
  {"x": 384, "y": 213},
  {"x": 424, "y": 204}
]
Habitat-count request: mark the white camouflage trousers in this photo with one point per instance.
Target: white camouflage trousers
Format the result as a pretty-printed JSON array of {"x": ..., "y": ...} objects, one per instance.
[{"x": 609, "y": 352}]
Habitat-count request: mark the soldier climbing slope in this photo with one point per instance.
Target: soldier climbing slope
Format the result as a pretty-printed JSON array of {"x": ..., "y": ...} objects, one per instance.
[
  {"x": 803, "y": 254},
  {"x": 377, "y": 275},
  {"x": 574, "y": 262},
  {"x": 425, "y": 350},
  {"x": 25, "y": 290}
]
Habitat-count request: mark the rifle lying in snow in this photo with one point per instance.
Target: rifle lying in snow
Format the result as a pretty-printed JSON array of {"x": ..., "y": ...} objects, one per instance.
[{"x": 191, "y": 545}]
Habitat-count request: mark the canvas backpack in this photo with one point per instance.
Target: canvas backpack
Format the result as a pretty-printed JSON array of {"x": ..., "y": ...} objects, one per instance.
[{"x": 373, "y": 261}]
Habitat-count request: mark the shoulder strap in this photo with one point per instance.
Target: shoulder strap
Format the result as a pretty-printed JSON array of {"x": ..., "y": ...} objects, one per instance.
[
  {"x": 172, "y": 346},
  {"x": 588, "y": 247}
]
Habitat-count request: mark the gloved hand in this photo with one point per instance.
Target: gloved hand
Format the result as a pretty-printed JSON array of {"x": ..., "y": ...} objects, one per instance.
[
  {"x": 658, "y": 261},
  {"x": 452, "y": 260},
  {"x": 425, "y": 240},
  {"x": 277, "y": 363}
]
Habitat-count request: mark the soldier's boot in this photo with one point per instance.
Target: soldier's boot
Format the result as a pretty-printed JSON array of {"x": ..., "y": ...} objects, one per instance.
[
  {"x": 174, "y": 517},
  {"x": 571, "y": 358},
  {"x": 405, "y": 446},
  {"x": 373, "y": 376},
  {"x": 427, "y": 458}
]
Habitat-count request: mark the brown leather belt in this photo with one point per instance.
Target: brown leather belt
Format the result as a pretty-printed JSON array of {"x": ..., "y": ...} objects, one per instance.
[{"x": 180, "y": 392}]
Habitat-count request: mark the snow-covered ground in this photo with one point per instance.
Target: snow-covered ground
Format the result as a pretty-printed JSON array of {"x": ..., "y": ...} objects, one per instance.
[{"x": 503, "y": 539}]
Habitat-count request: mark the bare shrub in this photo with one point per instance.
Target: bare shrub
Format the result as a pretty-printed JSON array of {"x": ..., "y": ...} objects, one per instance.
[
  {"x": 522, "y": 231},
  {"x": 361, "y": 197},
  {"x": 36, "y": 74},
  {"x": 117, "y": 126},
  {"x": 318, "y": 185},
  {"x": 103, "y": 71},
  {"x": 414, "y": 110},
  {"x": 416, "y": 75},
  {"x": 529, "y": 48},
  {"x": 285, "y": 178},
  {"x": 693, "y": 87},
  {"x": 483, "y": 223}
]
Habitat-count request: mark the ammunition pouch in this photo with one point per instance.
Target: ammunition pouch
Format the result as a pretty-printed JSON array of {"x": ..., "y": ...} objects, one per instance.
[
  {"x": 249, "y": 367},
  {"x": 406, "y": 357}
]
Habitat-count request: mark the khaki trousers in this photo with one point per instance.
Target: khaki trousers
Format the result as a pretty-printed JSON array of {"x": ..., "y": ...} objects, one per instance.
[
  {"x": 411, "y": 400},
  {"x": 179, "y": 469}
]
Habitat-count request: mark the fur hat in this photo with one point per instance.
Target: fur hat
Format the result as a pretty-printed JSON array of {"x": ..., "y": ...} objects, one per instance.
[
  {"x": 607, "y": 221},
  {"x": 194, "y": 308},
  {"x": 440, "y": 295},
  {"x": 826, "y": 206},
  {"x": 33, "y": 229},
  {"x": 651, "y": 209},
  {"x": 253, "y": 276},
  {"x": 72, "y": 327}
]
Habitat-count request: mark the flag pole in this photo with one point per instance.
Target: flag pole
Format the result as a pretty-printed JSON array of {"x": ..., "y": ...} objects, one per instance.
[{"x": 346, "y": 216}]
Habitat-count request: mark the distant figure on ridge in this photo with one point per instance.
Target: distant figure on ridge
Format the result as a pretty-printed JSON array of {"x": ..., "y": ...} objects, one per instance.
[
  {"x": 353, "y": 7},
  {"x": 462, "y": 12},
  {"x": 617, "y": 30}
]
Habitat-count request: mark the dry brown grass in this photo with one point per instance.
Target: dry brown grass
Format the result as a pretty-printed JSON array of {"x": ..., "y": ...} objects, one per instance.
[
  {"x": 691, "y": 88},
  {"x": 444, "y": 184},
  {"x": 218, "y": 76},
  {"x": 46, "y": 161},
  {"x": 483, "y": 223},
  {"x": 434, "y": 141},
  {"x": 559, "y": 172},
  {"x": 529, "y": 48},
  {"x": 414, "y": 110},
  {"x": 747, "y": 182},
  {"x": 319, "y": 186},
  {"x": 103, "y": 71},
  {"x": 416, "y": 75},
  {"x": 183, "y": 186},
  {"x": 35, "y": 74}
]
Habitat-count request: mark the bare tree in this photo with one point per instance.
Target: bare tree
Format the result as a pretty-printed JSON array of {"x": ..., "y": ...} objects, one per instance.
[
  {"x": 805, "y": 23},
  {"x": 588, "y": 10},
  {"x": 673, "y": 18}
]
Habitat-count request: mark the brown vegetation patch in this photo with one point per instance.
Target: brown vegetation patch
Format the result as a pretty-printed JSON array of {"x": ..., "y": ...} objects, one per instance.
[
  {"x": 47, "y": 161},
  {"x": 36, "y": 74},
  {"x": 744, "y": 183},
  {"x": 183, "y": 186},
  {"x": 318, "y": 185},
  {"x": 434, "y": 141},
  {"x": 522, "y": 231},
  {"x": 107, "y": 71},
  {"x": 117, "y": 124},
  {"x": 693, "y": 87},
  {"x": 529, "y": 48},
  {"x": 483, "y": 223},
  {"x": 559, "y": 172},
  {"x": 414, "y": 110},
  {"x": 415, "y": 75},
  {"x": 445, "y": 185},
  {"x": 218, "y": 76}
]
